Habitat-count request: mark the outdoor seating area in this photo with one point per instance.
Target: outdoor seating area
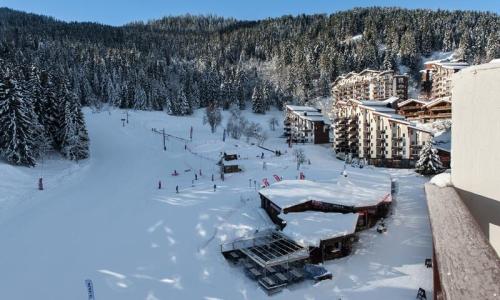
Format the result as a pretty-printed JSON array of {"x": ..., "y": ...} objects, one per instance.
[{"x": 270, "y": 258}]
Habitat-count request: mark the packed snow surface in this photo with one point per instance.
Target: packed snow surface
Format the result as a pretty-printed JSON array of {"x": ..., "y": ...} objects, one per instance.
[
  {"x": 105, "y": 219},
  {"x": 309, "y": 228}
]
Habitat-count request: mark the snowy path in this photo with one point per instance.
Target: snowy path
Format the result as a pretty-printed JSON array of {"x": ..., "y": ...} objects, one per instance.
[{"x": 108, "y": 222}]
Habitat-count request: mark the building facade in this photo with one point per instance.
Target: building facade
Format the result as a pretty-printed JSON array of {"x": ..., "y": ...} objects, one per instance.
[
  {"x": 370, "y": 85},
  {"x": 304, "y": 124},
  {"x": 476, "y": 138},
  {"x": 436, "y": 77},
  {"x": 372, "y": 131},
  {"x": 425, "y": 111}
]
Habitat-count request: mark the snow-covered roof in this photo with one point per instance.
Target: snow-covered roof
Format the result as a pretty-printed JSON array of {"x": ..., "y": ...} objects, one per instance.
[
  {"x": 298, "y": 108},
  {"x": 390, "y": 115},
  {"x": 442, "y": 140},
  {"x": 419, "y": 127},
  {"x": 309, "y": 228},
  {"x": 437, "y": 101},
  {"x": 373, "y": 103},
  {"x": 448, "y": 64},
  {"x": 359, "y": 191},
  {"x": 309, "y": 113},
  {"x": 412, "y": 100}
]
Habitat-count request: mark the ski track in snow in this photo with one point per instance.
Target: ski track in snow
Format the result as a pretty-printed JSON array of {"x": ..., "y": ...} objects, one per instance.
[{"x": 105, "y": 219}]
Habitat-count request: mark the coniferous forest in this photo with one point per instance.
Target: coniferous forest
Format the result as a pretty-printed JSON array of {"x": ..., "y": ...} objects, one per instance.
[{"x": 49, "y": 69}]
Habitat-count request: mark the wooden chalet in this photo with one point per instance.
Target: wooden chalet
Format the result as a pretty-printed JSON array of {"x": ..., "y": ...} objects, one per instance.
[
  {"x": 411, "y": 109},
  {"x": 232, "y": 167},
  {"x": 292, "y": 196},
  {"x": 437, "y": 109}
]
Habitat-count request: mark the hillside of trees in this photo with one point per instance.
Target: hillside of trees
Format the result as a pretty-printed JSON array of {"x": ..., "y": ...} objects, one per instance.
[{"x": 178, "y": 64}]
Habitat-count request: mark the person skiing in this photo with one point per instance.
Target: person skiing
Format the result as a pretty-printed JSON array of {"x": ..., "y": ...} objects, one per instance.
[
  {"x": 212, "y": 177},
  {"x": 195, "y": 176},
  {"x": 262, "y": 155},
  {"x": 215, "y": 187},
  {"x": 40, "y": 184},
  {"x": 177, "y": 189},
  {"x": 159, "y": 184}
]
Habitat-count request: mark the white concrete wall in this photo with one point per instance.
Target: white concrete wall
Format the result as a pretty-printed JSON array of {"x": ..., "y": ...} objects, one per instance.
[{"x": 475, "y": 148}]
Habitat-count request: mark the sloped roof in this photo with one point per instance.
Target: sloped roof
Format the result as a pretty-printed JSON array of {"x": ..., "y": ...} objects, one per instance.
[
  {"x": 359, "y": 190},
  {"x": 309, "y": 228},
  {"x": 412, "y": 100},
  {"x": 437, "y": 101}
]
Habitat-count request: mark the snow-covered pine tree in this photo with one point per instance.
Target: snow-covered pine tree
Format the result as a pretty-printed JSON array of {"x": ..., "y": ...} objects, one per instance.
[
  {"x": 268, "y": 95},
  {"x": 258, "y": 105},
  {"x": 34, "y": 96},
  {"x": 429, "y": 162},
  {"x": 184, "y": 105},
  {"x": 389, "y": 60},
  {"x": 74, "y": 136},
  {"x": 17, "y": 124}
]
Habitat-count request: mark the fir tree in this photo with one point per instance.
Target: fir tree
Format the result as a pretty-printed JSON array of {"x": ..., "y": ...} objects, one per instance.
[
  {"x": 258, "y": 105},
  {"x": 17, "y": 124},
  {"x": 429, "y": 162},
  {"x": 184, "y": 106},
  {"x": 74, "y": 136}
]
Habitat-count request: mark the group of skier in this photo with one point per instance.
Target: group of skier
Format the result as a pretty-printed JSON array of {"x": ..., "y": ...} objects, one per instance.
[{"x": 175, "y": 173}]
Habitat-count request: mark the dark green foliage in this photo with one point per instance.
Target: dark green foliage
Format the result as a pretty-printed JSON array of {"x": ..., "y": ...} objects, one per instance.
[{"x": 151, "y": 65}]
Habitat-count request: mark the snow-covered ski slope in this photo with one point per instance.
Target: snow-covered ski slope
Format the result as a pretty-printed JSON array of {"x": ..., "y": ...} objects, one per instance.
[{"x": 104, "y": 219}]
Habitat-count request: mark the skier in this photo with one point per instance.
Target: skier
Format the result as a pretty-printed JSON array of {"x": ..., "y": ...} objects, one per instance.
[
  {"x": 40, "y": 184},
  {"x": 177, "y": 189},
  {"x": 200, "y": 172},
  {"x": 185, "y": 146},
  {"x": 212, "y": 177},
  {"x": 215, "y": 187},
  {"x": 262, "y": 155},
  {"x": 159, "y": 184},
  {"x": 195, "y": 176}
]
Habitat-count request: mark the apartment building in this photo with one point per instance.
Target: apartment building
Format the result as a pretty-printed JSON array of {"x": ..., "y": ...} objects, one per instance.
[
  {"x": 374, "y": 131},
  {"x": 305, "y": 124},
  {"x": 436, "y": 77},
  {"x": 370, "y": 85},
  {"x": 425, "y": 111}
]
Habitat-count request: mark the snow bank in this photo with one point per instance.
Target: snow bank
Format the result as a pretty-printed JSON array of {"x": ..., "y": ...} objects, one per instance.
[{"x": 442, "y": 180}]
